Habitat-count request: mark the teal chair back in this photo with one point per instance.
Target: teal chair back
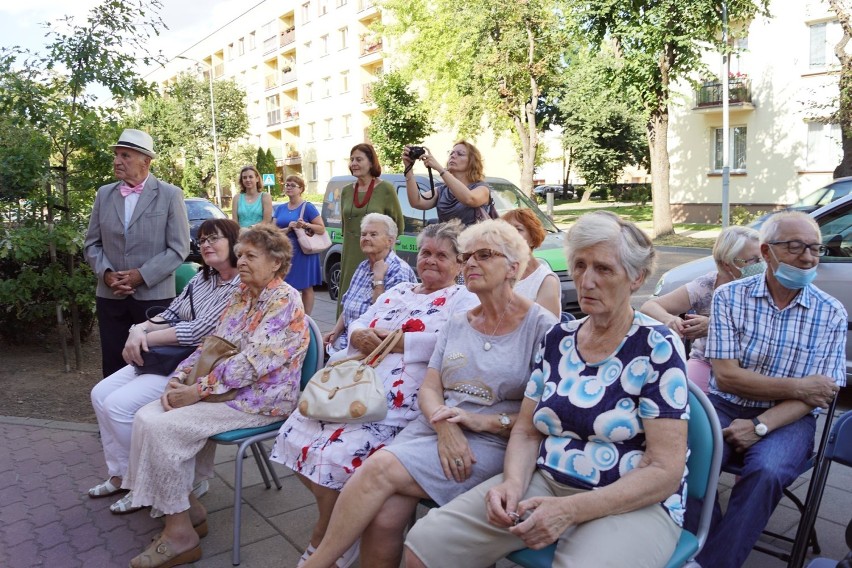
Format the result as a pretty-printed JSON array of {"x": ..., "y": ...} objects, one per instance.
[
  {"x": 703, "y": 467},
  {"x": 184, "y": 273},
  {"x": 313, "y": 357}
]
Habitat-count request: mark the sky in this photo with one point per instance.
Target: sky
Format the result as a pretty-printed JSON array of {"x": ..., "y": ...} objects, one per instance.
[{"x": 188, "y": 21}]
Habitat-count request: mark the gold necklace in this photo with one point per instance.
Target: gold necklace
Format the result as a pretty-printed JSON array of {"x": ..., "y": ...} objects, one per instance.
[{"x": 487, "y": 345}]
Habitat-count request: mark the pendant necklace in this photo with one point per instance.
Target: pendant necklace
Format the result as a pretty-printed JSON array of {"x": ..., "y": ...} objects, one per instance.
[
  {"x": 487, "y": 345},
  {"x": 367, "y": 195}
]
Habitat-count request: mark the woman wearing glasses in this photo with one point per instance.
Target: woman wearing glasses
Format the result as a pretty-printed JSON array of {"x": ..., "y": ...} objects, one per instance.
[
  {"x": 462, "y": 193},
  {"x": 469, "y": 402},
  {"x": 297, "y": 213},
  {"x": 737, "y": 255}
]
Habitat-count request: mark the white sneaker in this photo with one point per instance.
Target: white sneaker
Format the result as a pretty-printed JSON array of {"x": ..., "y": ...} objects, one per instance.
[
  {"x": 350, "y": 556},
  {"x": 201, "y": 488}
]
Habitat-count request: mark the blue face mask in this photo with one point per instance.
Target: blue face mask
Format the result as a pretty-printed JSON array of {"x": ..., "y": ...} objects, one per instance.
[
  {"x": 793, "y": 277},
  {"x": 758, "y": 267}
]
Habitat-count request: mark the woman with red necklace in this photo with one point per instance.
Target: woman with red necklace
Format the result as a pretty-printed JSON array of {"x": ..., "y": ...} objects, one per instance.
[{"x": 367, "y": 195}]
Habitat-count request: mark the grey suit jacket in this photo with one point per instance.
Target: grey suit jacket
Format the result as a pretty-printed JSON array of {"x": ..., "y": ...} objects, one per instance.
[{"x": 156, "y": 241}]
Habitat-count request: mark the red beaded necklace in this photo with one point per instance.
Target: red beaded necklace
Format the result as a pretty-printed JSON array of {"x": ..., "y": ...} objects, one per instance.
[{"x": 367, "y": 195}]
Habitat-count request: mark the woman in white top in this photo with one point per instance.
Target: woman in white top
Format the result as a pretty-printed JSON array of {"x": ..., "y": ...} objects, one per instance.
[{"x": 538, "y": 282}]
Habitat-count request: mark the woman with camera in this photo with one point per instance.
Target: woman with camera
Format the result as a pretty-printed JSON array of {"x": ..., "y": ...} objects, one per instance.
[{"x": 462, "y": 193}]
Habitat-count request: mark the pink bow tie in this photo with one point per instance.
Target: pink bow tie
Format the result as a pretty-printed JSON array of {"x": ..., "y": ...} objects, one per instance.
[{"x": 127, "y": 190}]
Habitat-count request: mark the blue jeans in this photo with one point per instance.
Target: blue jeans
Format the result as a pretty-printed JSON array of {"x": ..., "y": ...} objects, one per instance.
[{"x": 768, "y": 467}]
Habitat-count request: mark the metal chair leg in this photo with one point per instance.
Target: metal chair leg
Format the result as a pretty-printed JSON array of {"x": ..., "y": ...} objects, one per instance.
[{"x": 260, "y": 465}]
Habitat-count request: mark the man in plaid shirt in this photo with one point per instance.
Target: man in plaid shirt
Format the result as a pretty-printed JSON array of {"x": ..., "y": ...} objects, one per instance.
[{"x": 777, "y": 345}]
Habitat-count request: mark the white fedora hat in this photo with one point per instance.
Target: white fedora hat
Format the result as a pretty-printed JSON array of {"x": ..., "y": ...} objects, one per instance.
[{"x": 136, "y": 140}]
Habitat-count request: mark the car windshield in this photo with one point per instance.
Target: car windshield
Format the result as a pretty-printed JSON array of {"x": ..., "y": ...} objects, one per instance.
[
  {"x": 507, "y": 197},
  {"x": 198, "y": 210},
  {"x": 825, "y": 195}
]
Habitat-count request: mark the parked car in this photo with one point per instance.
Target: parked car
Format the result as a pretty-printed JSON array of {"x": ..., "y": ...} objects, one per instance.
[
  {"x": 834, "y": 273},
  {"x": 558, "y": 191},
  {"x": 199, "y": 210},
  {"x": 841, "y": 187},
  {"x": 506, "y": 197}
]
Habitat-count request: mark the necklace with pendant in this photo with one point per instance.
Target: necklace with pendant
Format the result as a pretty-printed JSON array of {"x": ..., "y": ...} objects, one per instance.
[{"x": 487, "y": 345}]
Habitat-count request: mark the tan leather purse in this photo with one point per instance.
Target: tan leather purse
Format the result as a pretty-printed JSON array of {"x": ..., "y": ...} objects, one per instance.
[{"x": 214, "y": 350}]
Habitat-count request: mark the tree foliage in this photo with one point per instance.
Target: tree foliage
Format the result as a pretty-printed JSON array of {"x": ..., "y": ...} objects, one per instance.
[
  {"x": 602, "y": 130},
  {"x": 485, "y": 61},
  {"x": 843, "y": 10},
  {"x": 658, "y": 43},
  {"x": 180, "y": 121},
  {"x": 400, "y": 119}
]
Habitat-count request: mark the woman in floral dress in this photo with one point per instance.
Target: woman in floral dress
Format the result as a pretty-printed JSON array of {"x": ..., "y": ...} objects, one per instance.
[{"x": 325, "y": 455}]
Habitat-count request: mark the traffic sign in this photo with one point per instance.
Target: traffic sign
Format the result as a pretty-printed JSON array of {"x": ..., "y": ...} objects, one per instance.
[{"x": 268, "y": 180}]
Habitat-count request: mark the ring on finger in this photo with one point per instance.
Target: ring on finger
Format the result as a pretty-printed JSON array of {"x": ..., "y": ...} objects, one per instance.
[{"x": 459, "y": 462}]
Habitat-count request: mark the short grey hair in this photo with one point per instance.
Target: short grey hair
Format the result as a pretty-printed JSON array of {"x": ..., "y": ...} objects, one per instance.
[
  {"x": 502, "y": 237},
  {"x": 771, "y": 227},
  {"x": 381, "y": 219},
  {"x": 448, "y": 231},
  {"x": 635, "y": 250},
  {"x": 731, "y": 242}
]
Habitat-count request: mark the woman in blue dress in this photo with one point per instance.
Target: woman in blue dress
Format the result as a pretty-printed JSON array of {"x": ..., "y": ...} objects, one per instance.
[{"x": 297, "y": 213}]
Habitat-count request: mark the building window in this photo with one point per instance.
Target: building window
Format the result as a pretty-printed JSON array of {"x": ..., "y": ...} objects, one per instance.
[
  {"x": 308, "y": 51},
  {"x": 343, "y": 34},
  {"x": 327, "y": 128},
  {"x": 330, "y": 165},
  {"x": 326, "y": 89},
  {"x": 823, "y": 37},
  {"x": 242, "y": 46},
  {"x": 324, "y": 45},
  {"x": 309, "y": 92},
  {"x": 824, "y": 146},
  {"x": 252, "y": 41},
  {"x": 344, "y": 81},
  {"x": 312, "y": 171},
  {"x": 312, "y": 131},
  {"x": 737, "y": 140},
  {"x": 322, "y": 7},
  {"x": 306, "y": 12},
  {"x": 341, "y": 3},
  {"x": 347, "y": 124},
  {"x": 230, "y": 51}
]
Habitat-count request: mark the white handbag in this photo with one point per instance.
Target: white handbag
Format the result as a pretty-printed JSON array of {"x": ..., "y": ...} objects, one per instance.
[{"x": 350, "y": 390}]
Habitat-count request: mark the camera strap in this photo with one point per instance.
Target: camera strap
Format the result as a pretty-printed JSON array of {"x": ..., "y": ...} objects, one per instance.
[{"x": 431, "y": 181}]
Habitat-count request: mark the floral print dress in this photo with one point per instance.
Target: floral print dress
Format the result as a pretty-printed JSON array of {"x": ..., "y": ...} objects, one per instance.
[{"x": 329, "y": 453}]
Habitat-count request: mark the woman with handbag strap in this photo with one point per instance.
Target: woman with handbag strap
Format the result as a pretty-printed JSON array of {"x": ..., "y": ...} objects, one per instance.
[
  {"x": 190, "y": 317},
  {"x": 324, "y": 454},
  {"x": 469, "y": 401},
  {"x": 305, "y": 272},
  {"x": 266, "y": 324}
]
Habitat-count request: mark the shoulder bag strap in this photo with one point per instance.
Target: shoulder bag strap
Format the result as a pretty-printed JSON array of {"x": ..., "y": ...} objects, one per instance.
[
  {"x": 191, "y": 303},
  {"x": 302, "y": 210}
]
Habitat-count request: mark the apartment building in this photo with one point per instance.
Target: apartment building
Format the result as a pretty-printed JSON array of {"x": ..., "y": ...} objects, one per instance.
[
  {"x": 307, "y": 67},
  {"x": 783, "y": 79}
]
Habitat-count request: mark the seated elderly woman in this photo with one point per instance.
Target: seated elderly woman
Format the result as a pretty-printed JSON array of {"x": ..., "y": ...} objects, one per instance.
[
  {"x": 597, "y": 458},
  {"x": 737, "y": 255},
  {"x": 469, "y": 402},
  {"x": 260, "y": 384},
  {"x": 190, "y": 317},
  {"x": 538, "y": 282},
  {"x": 325, "y": 455},
  {"x": 381, "y": 271}
]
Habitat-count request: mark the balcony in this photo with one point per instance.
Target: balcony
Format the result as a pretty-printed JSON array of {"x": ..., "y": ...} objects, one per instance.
[
  {"x": 218, "y": 70},
  {"x": 288, "y": 76},
  {"x": 370, "y": 45},
  {"x": 367, "y": 93},
  {"x": 293, "y": 159},
  {"x": 709, "y": 95},
  {"x": 287, "y": 37},
  {"x": 273, "y": 117},
  {"x": 365, "y": 5},
  {"x": 270, "y": 44},
  {"x": 271, "y": 81},
  {"x": 291, "y": 114}
]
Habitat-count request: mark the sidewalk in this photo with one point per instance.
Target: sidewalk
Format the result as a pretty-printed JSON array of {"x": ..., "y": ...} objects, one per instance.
[{"x": 46, "y": 518}]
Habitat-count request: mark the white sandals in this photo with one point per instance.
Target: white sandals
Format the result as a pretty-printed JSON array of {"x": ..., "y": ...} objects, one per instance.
[{"x": 104, "y": 489}]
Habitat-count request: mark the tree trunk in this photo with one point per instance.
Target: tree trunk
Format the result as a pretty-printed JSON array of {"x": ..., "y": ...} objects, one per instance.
[
  {"x": 60, "y": 321},
  {"x": 658, "y": 137},
  {"x": 844, "y": 112}
]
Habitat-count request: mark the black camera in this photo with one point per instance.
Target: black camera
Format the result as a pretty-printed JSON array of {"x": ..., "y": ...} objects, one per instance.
[{"x": 415, "y": 152}]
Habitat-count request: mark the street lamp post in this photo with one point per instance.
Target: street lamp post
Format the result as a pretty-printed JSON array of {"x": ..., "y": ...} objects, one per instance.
[
  {"x": 726, "y": 125},
  {"x": 213, "y": 121}
]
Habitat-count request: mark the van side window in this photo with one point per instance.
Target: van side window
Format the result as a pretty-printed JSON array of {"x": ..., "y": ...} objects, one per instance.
[{"x": 414, "y": 218}]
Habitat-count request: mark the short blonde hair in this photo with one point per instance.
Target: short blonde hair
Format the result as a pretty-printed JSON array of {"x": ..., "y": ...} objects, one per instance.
[
  {"x": 502, "y": 237},
  {"x": 635, "y": 251},
  {"x": 730, "y": 243}
]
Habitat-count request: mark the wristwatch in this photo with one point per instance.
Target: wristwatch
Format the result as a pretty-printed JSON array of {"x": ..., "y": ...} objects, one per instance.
[
  {"x": 377, "y": 283},
  {"x": 759, "y": 427},
  {"x": 505, "y": 421}
]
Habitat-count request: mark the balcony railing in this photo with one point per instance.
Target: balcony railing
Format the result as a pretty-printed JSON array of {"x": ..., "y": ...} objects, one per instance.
[
  {"x": 288, "y": 76},
  {"x": 271, "y": 81},
  {"x": 287, "y": 37},
  {"x": 369, "y": 46},
  {"x": 710, "y": 94},
  {"x": 218, "y": 70},
  {"x": 273, "y": 117},
  {"x": 365, "y": 4},
  {"x": 293, "y": 159}
]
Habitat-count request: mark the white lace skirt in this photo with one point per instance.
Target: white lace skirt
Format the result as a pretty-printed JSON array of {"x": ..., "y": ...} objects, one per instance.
[{"x": 165, "y": 447}]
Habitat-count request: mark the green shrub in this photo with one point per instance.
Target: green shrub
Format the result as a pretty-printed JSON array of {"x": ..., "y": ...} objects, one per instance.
[{"x": 742, "y": 216}]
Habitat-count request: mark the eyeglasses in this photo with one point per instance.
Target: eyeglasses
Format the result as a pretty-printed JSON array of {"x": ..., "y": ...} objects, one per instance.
[
  {"x": 480, "y": 255},
  {"x": 209, "y": 240},
  {"x": 291, "y": 185},
  {"x": 797, "y": 247},
  {"x": 741, "y": 262}
]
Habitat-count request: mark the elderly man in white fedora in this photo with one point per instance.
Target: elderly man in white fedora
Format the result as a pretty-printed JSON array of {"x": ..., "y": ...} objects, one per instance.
[{"x": 138, "y": 235}]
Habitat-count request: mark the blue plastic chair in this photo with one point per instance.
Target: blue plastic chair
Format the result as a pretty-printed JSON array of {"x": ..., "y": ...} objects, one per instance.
[
  {"x": 705, "y": 459},
  {"x": 253, "y": 438}
]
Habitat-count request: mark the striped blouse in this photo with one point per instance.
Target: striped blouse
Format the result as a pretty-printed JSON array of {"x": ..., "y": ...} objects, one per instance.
[{"x": 209, "y": 298}]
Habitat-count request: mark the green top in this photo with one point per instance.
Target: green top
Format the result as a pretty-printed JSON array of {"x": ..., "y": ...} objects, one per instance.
[{"x": 383, "y": 200}]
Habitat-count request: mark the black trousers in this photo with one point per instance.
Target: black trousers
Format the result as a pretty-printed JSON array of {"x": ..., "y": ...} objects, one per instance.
[{"x": 114, "y": 320}]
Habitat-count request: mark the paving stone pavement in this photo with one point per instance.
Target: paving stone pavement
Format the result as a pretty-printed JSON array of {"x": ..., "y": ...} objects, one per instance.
[{"x": 46, "y": 518}]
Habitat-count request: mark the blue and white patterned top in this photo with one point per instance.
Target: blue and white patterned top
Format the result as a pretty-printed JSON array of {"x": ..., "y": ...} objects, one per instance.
[
  {"x": 591, "y": 414},
  {"x": 807, "y": 337},
  {"x": 359, "y": 295}
]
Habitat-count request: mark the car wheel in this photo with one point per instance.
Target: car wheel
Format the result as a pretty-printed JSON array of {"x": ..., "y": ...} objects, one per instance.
[{"x": 334, "y": 280}]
